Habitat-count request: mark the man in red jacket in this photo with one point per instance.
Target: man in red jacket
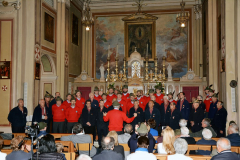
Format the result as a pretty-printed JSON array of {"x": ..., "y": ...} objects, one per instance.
[
  {"x": 73, "y": 114},
  {"x": 158, "y": 95},
  {"x": 116, "y": 118},
  {"x": 67, "y": 103},
  {"x": 80, "y": 102},
  {"x": 125, "y": 95},
  {"x": 111, "y": 95},
  {"x": 59, "y": 116},
  {"x": 96, "y": 94},
  {"x": 151, "y": 93},
  {"x": 122, "y": 102},
  {"x": 142, "y": 101},
  {"x": 106, "y": 102}
]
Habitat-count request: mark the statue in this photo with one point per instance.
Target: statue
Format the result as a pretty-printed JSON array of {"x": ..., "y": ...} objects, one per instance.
[
  {"x": 169, "y": 68},
  {"x": 102, "y": 69}
]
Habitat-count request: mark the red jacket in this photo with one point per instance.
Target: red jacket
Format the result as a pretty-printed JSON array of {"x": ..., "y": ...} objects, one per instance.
[
  {"x": 123, "y": 105},
  {"x": 147, "y": 99},
  {"x": 116, "y": 118},
  {"x": 142, "y": 103},
  {"x": 59, "y": 113},
  {"x": 73, "y": 114},
  {"x": 207, "y": 103},
  {"x": 159, "y": 99},
  {"x": 172, "y": 101},
  {"x": 80, "y": 103},
  {"x": 107, "y": 104},
  {"x": 98, "y": 98},
  {"x": 110, "y": 98},
  {"x": 65, "y": 103},
  {"x": 129, "y": 106},
  {"x": 125, "y": 97}
]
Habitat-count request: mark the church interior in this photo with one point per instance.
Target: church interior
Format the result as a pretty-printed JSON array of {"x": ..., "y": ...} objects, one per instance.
[{"x": 68, "y": 45}]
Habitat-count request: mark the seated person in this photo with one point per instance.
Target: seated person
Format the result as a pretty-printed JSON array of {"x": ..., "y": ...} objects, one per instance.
[
  {"x": 185, "y": 135},
  {"x": 42, "y": 129},
  {"x": 117, "y": 148},
  {"x": 123, "y": 138},
  {"x": 152, "y": 123},
  {"x": 233, "y": 134},
  {"x": 84, "y": 157},
  {"x": 2, "y": 155},
  {"x": 166, "y": 147},
  {"x": 60, "y": 148},
  {"x": 206, "y": 140},
  {"x": 182, "y": 123},
  {"x": 181, "y": 147},
  {"x": 224, "y": 150},
  {"x": 108, "y": 153},
  {"x": 141, "y": 153},
  {"x": 18, "y": 145},
  {"x": 47, "y": 149},
  {"x": 79, "y": 137},
  {"x": 141, "y": 131}
]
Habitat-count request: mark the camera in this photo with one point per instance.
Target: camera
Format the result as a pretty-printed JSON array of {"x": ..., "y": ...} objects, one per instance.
[{"x": 32, "y": 130}]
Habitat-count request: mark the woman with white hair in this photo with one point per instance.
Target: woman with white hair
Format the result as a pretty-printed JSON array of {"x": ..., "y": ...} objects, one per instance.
[
  {"x": 182, "y": 123},
  {"x": 185, "y": 135},
  {"x": 181, "y": 147}
]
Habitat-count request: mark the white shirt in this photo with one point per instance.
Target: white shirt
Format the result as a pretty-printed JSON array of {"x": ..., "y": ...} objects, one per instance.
[
  {"x": 141, "y": 155},
  {"x": 178, "y": 157},
  {"x": 161, "y": 149},
  {"x": 3, "y": 155}
]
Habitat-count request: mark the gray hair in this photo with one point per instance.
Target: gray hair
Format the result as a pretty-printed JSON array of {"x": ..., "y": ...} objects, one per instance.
[
  {"x": 108, "y": 145},
  {"x": 180, "y": 146},
  {"x": 184, "y": 131},
  {"x": 116, "y": 106},
  {"x": 207, "y": 121},
  {"x": 224, "y": 143},
  {"x": 40, "y": 100},
  {"x": 20, "y": 99},
  {"x": 200, "y": 97},
  {"x": 165, "y": 97},
  {"x": 128, "y": 128},
  {"x": 234, "y": 128},
  {"x": 84, "y": 157},
  {"x": 182, "y": 123},
  {"x": 77, "y": 128},
  {"x": 207, "y": 134}
]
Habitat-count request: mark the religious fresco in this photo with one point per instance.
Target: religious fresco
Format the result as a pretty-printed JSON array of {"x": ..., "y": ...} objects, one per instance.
[{"x": 171, "y": 42}]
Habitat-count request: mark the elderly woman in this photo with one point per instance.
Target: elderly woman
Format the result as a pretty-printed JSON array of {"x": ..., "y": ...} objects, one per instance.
[
  {"x": 117, "y": 148},
  {"x": 185, "y": 135},
  {"x": 166, "y": 147},
  {"x": 182, "y": 123},
  {"x": 181, "y": 147}
]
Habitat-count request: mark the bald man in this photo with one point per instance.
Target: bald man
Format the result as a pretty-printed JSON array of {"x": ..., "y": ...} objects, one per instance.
[{"x": 40, "y": 112}]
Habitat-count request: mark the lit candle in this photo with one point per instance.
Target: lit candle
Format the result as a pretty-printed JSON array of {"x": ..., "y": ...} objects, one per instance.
[
  {"x": 147, "y": 50},
  {"x": 117, "y": 51},
  {"x": 108, "y": 50}
]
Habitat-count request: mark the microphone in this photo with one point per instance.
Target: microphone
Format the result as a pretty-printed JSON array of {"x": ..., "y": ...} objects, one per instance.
[{"x": 35, "y": 141}]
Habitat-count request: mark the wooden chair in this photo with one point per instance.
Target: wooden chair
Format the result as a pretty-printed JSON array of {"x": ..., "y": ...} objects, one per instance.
[
  {"x": 84, "y": 147},
  {"x": 7, "y": 151},
  {"x": 68, "y": 145},
  {"x": 198, "y": 138},
  {"x": 125, "y": 146},
  {"x": 59, "y": 135},
  {"x": 6, "y": 142},
  {"x": 19, "y": 134},
  {"x": 198, "y": 147},
  {"x": 70, "y": 155}
]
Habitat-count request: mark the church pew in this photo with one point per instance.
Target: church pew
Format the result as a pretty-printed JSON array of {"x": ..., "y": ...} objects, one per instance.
[
  {"x": 198, "y": 138},
  {"x": 155, "y": 137},
  {"x": 198, "y": 147},
  {"x": 6, "y": 142},
  {"x": 194, "y": 157},
  {"x": 68, "y": 145},
  {"x": 70, "y": 156},
  {"x": 59, "y": 135},
  {"x": 125, "y": 146},
  {"x": 233, "y": 148}
]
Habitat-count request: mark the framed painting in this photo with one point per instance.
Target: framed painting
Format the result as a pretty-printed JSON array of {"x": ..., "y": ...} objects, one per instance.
[
  {"x": 48, "y": 28},
  {"x": 37, "y": 71},
  {"x": 5, "y": 69},
  {"x": 74, "y": 29},
  {"x": 142, "y": 37}
]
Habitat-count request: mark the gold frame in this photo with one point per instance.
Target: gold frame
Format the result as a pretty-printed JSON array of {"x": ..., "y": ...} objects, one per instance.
[{"x": 153, "y": 23}]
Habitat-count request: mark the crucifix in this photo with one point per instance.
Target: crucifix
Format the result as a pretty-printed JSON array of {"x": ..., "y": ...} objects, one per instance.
[{"x": 139, "y": 4}]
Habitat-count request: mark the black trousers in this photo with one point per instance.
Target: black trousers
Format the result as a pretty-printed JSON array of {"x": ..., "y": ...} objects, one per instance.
[
  {"x": 119, "y": 132},
  {"x": 101, "y": 131},
  {"x": 90, "y": 130},
  {"x": 18, "y": 129},
  {"x": 220, "y": 134},
  {"x": 70, "y": 126},
  {"x": 58, "y": 127}
]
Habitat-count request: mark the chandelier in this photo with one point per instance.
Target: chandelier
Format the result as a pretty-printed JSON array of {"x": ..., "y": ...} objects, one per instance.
[
  {"x": 183, "y": 16},
  {"x": 87, "y": 19},
  {"x": 197, "y": 9}
]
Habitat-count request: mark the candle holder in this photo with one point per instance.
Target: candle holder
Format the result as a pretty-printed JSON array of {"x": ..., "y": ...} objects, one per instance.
[
  {"x": 108, "y": 69},
  {"x": 155, "y": 63},
  {"x": 146, "y": 69},
  {"x": 116, "y": 76},
  {"x": 164, "y": 68},
  {"x": 124, "y": 70}
]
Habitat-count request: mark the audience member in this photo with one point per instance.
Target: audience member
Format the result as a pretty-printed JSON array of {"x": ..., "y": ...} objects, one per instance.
[
  {"x": 224, "y": 150},
  {"x": 108, "y": 153},
  {"x": 40, "y": 113},
  {"x": 117, "y": 148},
  {"x": 183, "y": 106},
  {"x": 79, "y": 137},
  {"x": 141, "y": 131},
  {"x": 60, "y": 148},
  {"x": 152, "y": 124},
  {"x": 18, "y": 146},
  {"x": 59, "y": 116},
  {"x": 205, "y": 124},
  {"x": 174, "y": 116},
  {"x": 42, "y": 129},
  {"x": 185, "y": 135},
  {"x": 141, "y": 153},
  {"x": 181, "y": 147},
  {"x": 182, "y": 123},
  {"x": 140, "y": 114},
  {"x": 233, "y": 135},
  {"x": 123, "y": 138},
  {"x": 196, "y": 117},
  {"x": 206, "y": 140},
  {"x": 84, "y": 157},
  {"x": 231, "y": 122},
  {"x": 166, "y": 147},
  {"x": 2, "y": 155}
]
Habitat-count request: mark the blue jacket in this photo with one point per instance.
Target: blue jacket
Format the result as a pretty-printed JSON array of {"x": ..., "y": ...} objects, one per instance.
[
  {"x": 37, "y": 114},
  {"x": 89, "y": 117},
  {"x": 220, "y": 119},
  {"x": 234, "y": 139},
  {"x": 155, "y": 115},
  {"x": 212, "y": 110},
  {"x": 132, "y": 142},
  {"x": 17, "y": 118},
  {"x": 205, "y": 142},
  {"x": 42, "y": 133},
  {"x": 153, "y": 132},
  {"x": 185, "y": 109}
]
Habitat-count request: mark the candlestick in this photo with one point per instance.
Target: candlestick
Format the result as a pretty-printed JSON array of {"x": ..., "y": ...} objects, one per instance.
[
  {"x": 146, "y": 69},
  {"x": 147, "y": 50},
  {"x": 124, "y": 50},
  {"x": 108, "y": 70},
  {"x": 117, "y": 51},
  {"x": 109, "y": 50}
]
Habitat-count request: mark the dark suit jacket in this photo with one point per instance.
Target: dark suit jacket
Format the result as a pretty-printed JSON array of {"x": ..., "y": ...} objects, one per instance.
[
  {"x": 100, "y": 121},
  {"x": 89, "y": 117},
  {"x": 234, "y": 139},
  {"x": 155, "y": 115},
  {"x": 139, "y": 118},
  {"x": 156, "y": 105},
  {"x": 212, "y": 110},
  {"x": 197, "y": 118},
  {"x": 17, "y": 117},
  {"x": 119, "y": 149},
  {"x": 94, "y": 104},
  {"x": 185, "y": 109},
  {"x": 219, "y": 120},
  {"x": 224, "y": 155},
  {"x": 174, "y": 119},
  {"x": 108, "y": 154},
  {"x": 37, "y": 114},
  {"x": 164, "y": 115}
]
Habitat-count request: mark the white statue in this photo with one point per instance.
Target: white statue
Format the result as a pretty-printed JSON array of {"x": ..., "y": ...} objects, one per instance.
[
  {"x": 169, "y": 68},
  {"x": 102, "y": 69}
]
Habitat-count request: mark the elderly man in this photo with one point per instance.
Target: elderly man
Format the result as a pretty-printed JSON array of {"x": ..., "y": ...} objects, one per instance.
[
  {"x": 40, "y": 113},
  {"x": 224, "y": 150},
  {"x": 196, "y": 117},
  {"x": 17, "y": 117},
  {"x": 219, "y": 120},
  {"x": 116, "y": 118},
  {"x": 182, "y": 123},
  {"x": 183, "y": 106},
  {"x": 185, "y": 135},
  {"x": 78, "y": 136},
  {"x": 94, "y": 102},
  {"x": 173, "y": 117},
  {"x": 154, "y": 113},
  {"x": 96, "y": 94},
  {"x": 140, "y": 115},
  {"x": 205, "y": 124},
  {"x": 181, "y": 147},
  {"x": 213, "y": 107},
  {"x": 108, "y": 153},
  {"x": 123, "y": 138},
  {"x": 141, "y": 99},
  {"x": 206, "y": 140},
  {"x": 80, "y": 101},
  {"x": 233, "y": 135},
  {"x": 59, "y": 116}
]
